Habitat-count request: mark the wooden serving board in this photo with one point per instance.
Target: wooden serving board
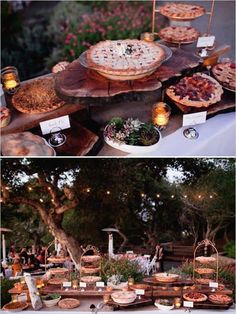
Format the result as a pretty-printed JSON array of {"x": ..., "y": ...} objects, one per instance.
[
  {"x": 73, "y": 292},
  {"x": 211, "y": 306},
  {"x": 177, "y": 283},
  {"x": 137, "y": 303},
  {"x": 76, "y": 81}
]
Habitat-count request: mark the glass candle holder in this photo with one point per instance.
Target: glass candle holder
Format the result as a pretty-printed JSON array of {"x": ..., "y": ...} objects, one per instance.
[
  {"x": 147, "y": 36},
  {"x": 75, "y": 283},
  {"x": 106, "y": 298},
  {"x": 10, "y": 79},
  {"x": 57, "y": 138},
  {"x": 130, "y": 281},
  {"x": 161, "y": 114},
  {"x": 177, "y": 303},
  {"x": 109, "y": 289}
]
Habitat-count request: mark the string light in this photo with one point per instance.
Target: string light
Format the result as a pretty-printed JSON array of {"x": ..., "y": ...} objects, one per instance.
[
  {"x": 49, "y": 188},
  {"x": 211, "y": 196},
  {"x": 88, "y": 190},
  {"x": 199, "y": 196},
  {"x": 158, "y": 195},
  {"x": 172, "y": 196},
  {"x": 52, "y": 200},
  {"x": 41, "y": 200},
  {"x": 108, "y": 192},
  {"x": 7, "y": 188},
  {"x": 30, "y": 188},
  {"x": 185, "y": 196},
  {"x": 142, "y": 194}
]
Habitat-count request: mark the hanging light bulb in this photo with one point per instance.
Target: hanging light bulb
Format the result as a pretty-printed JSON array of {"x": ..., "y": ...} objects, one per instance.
[
  {"x": 49, "y": 188},
  {"x": 199, "y": 196},
  {"x": 30, "y": 188},
  {"x": 108, "y": 192},
  {"x": 158, "y": 195},
  {"x": 41, "y": 200},
  {"x": 142, "y": 194},
  {"x": 185, "y": 196},
  {"x": 172, "y": 196},
  {"x": 88, "y": 190},
  {"x": 7, "y": 188},
  {"x": 211, "y": 196}
]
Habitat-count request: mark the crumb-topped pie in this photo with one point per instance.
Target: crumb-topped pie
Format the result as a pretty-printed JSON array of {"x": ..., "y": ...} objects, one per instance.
[
  {"x": 68, "y": 303},
  {"x": 125, "y": 57},
  {"x": 182, "y": 11},
  {"x": 179, "y": 34},
  {"x": 37, "y": 96},
  {"x": 220, "y": 299},
  {"x": 199, "y": 90},
  {"x": 225, "y": 73}
]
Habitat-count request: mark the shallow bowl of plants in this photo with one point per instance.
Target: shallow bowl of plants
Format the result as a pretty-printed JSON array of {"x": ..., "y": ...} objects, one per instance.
[
  {"x": 132, "y": 136},
  {"x": 51, "y": 299},
  {"x": 164, "y": 304}
]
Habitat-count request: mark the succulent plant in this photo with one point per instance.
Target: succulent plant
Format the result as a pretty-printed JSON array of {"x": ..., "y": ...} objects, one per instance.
[{"x": 148, "y": 135}]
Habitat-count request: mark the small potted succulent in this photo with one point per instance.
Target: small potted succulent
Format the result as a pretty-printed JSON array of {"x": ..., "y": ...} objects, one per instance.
[
  {"x": 131, "y": 135},
  {"x": 51, "y": 299}
]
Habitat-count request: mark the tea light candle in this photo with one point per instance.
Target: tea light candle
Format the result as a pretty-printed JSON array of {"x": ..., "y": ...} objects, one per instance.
[
  {"x": 106, "y": 298},
  {"x": 160, "y": 114},
  {"x": 10, "y": 79},
  {"x": 130, "y": 281},
  {"x": 147, "y": 36},
  {"x": 177, "y": 303},
  {"x": 109, "y": 289},
  {"x": 75, "y": 284}
]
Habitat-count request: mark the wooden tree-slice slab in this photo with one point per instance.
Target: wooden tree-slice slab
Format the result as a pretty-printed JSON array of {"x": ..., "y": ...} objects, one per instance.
[{"x": 77, "y": 82}]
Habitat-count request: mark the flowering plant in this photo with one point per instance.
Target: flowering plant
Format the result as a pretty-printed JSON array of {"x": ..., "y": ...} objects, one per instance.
[{"x": 131, "y": 132}]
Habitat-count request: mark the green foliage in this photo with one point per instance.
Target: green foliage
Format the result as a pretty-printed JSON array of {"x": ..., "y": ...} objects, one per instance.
[
  {"x": 229, "y": 248},
  {"x": 123, "y": 267},
  {"x": 148, "y": 134},
  {"x": 6, "y": 285}
]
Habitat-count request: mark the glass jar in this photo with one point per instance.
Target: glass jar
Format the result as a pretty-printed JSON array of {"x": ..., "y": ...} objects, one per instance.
[
  {"x": 161, "y": 114},
  {"x": 10, "y": 79},
  {"x": 147, "y": 36}
]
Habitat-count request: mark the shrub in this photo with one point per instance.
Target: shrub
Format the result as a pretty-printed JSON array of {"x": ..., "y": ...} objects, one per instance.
[
  {"x": 6, "y": 284},
  {"x": 229, "y": 248},
  {"x": 122, "y": 267}
]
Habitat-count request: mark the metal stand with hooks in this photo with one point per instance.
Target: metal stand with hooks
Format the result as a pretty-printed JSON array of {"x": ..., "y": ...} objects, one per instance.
[{"x": 206, "y": 243}]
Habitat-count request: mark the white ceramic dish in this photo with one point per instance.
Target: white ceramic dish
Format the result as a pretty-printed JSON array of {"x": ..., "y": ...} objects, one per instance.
[
  {"x": 133, "y": 149},
  {"x": 50, "y": 303},
  {"x": 164, "y": 307}
]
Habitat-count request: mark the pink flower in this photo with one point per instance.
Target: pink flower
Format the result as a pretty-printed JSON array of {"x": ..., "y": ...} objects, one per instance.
[{"x": 72, "y": 53}]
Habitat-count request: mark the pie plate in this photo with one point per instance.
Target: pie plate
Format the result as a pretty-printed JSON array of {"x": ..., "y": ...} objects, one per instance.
[
  {"x": 83, "y": 61},
  {"x": 133, "y": 149}
]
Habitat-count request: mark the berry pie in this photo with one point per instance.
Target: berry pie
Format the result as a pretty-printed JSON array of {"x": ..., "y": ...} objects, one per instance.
[
  {"x": 199, "y": 90},
  {"x": 179, "y": 34},
  {"x": 220, "y": 299},
  {"x": 182, "y": 11},
  {"x": 195, "y": 297},
  {"x": 225, "y": 73},
  {"x": 125, "y": 57}
]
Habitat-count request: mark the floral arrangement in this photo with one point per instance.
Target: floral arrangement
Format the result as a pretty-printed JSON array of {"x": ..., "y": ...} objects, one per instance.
[
  {"x": 131, "y": 132},
  {"x": 118, "y": 20}
]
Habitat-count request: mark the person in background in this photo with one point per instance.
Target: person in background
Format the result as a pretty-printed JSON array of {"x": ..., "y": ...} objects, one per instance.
[
  {"x": 24, "y": 256},
  {"x": 68, "y": 263},
  {"x": 16, "y": 267},
  {"x": 12, "y": 251},
  {"x": 41, "y": 257},
  {"x": 159, "y": 254}
]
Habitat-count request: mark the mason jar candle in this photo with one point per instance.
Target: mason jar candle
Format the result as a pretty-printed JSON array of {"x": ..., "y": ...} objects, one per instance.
[
  {"x": 10, "y": 79},
  {"x": 160, "y": 114},
  {"x": 147, "y": 36}
]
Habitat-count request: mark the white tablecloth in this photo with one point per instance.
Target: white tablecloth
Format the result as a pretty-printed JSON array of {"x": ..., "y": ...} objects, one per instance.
[{"x": 217, "y": 137}]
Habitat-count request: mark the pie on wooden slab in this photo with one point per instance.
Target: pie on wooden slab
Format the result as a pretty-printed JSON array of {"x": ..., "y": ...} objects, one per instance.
[
  {"x": 37, "y": 96},
  {"x": 179, "y": 34},
  {"x": 182, "y": 11},
  {"x": 220, "y": 299},
  {"x": 204, "y": 271},
  {"x": 225, "y": 73},
  {"x": 25, "y": 144},
  {"x": 68, "y": 303},
  {"x": 125, "y": 57},
  {"x": 199, "y": 90},
  {"x": 195, "y": 297}
]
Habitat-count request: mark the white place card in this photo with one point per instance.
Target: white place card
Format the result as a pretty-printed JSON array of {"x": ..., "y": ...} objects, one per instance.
[
  {"x": 82, "y": 284},
  {"x": 62, "y": 123},
  {"x": 140, "y": 291},
  {"x": 129, "y": 252},
  {"x": 66, "y": 284},
  {"x": 205, "y": 41},
  {"x": 213, "y": 284},
  {"x": 188, "y": 304},
  {"x": 194, "y": 118},
  {"x": 100, "y": 284}
]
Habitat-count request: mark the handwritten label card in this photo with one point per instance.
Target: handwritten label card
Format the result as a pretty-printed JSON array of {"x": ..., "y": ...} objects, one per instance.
[
  {"x": 62, "y": 123},
  {"x": 206, "y": 41},
  {"x": 139, "y": 292},
  {"x": 188, "y": 304},
  {"x": 66, "y": 284},
  {"x": 194, "y": 118},
  {"x": 213, "y": 284},
  {"x": 82, "y": 284},
  {"x": 100, "y": 284}
]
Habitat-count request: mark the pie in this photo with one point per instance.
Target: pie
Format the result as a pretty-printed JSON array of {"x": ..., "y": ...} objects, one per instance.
[
  {"x": 58, "y": 270},
  {"x": 25, "y": 144},
  {"x": 205, "y": 259},
  {"x": 165, "y": 277},
  {"x": 179, "y": 34},
  {"x": 90, "y": 269},
  {"x": 204, "y": 271},
  {"x": 124, "y": 297},
  {"x": 182, "y": 11},
  {"x": 90, "y": 258},
  {"x": 5, "y": 116},
  {"x": 199, "y": 90},
  {"x": 56, "y": 260},
  {"x": 90, "y": 279},
  {"x": 195, "y": 297},
  {"x": 225, "y": 73},
  {"x": 220, "y": 299},
  {"x": 56, "y": 281},
  {"x": 37, "y": 96},
  {"x": 125, "y": 57},
  {"x": 15, "y": 306},
  {"x": 61, "y": 66},
  {"x": 203, "y": 281},
  {"x": 68, "y": 303}
]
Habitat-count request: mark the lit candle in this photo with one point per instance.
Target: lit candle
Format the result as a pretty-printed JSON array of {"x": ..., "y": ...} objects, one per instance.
[
  {"x": 106, "y": 298},
  {"x": 160, "y": 114},
  {"x": 10, "y": 84},
  {"x": 109, "y": 289},
  {"x": 75, "y": 283},
  {"x": 130, "y": 281},
  {"x": 10, "y": 79},
  {"x": 177, "y": 303},
  {"x": 147, "y": 36}
]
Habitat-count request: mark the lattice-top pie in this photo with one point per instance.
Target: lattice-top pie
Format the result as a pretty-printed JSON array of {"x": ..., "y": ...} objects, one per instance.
[
  {"x": 179, "y": 34},
  {"x": 182, "y": 11},
  {"x": 125, "y": 57},
  {"x": 199, "y": 90},
  {"x": 225, "y": 73}
]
